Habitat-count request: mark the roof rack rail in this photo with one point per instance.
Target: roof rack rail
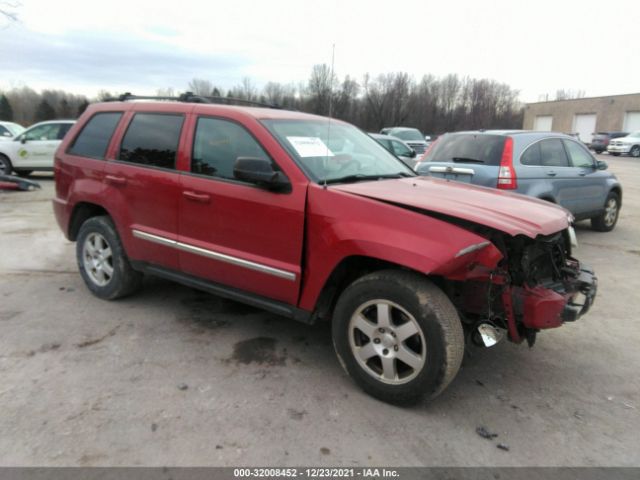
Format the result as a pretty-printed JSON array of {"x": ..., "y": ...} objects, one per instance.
[{"x": 189, "y": 97}]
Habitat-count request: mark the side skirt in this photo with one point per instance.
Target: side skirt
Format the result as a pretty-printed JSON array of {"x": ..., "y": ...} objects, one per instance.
[{"x": 224, "y": 291}]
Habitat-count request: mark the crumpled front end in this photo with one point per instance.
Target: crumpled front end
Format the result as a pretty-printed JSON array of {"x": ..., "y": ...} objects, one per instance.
[{"x": 535, "y": 286}]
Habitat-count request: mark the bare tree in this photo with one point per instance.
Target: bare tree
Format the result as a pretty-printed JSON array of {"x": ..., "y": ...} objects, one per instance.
[
  {"x": 319, "y": 89},
  {"x": 8, "y": 11},
  {"x": 199, "y": 86}
]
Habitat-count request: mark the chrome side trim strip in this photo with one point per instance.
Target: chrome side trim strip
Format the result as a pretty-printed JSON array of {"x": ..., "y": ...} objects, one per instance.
[
  {"x": 185, "y": 247},
  {"x": 471, "y": 248},
  {"x": 154, "y": 238}
]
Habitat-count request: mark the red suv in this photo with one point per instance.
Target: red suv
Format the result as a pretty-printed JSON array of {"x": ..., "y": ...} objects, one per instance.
[{"x": 310, "y": 218}]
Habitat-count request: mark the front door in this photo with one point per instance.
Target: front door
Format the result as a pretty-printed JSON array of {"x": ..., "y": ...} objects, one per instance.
[
  {"x": 233, "y": 232},
  {"x": 37, "y": 145}
]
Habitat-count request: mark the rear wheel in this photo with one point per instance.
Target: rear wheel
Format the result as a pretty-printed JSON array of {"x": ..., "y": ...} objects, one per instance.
[
  {"x": 102, "y": 261},
  {"x": 5, "y": 165},
  {"x": 398, "y": 336},
  {"x": 606, "y": 221},
  {"x": 635, "y": 151}
]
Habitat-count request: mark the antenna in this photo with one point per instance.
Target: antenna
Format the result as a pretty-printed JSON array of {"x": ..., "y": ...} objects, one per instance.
[{"x": 333, "y": 57}]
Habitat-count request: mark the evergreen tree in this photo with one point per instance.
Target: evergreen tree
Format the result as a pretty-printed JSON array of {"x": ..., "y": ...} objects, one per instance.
[
  {"x": 82, "y": 107},
  {"x": 6, "y": 112},
  {"x": 45, "y": 111}
]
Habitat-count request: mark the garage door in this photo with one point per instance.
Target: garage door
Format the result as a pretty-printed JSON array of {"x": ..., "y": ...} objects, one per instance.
[
  {"x": 584, "y": 125},
  {"x": 543, "y": 123},
  {"x": 631, "y": 121}
]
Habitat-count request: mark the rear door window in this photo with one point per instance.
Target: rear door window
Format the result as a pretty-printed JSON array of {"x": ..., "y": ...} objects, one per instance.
[
  {"x": 578, "y": 156},
  {"x": 531, "y": 156},
  {"x": 552, "y": 153},
  {"x": 95, "y": 136},
  {"x": 468, "y": 148},
  {"x": 152, "y": 139}
]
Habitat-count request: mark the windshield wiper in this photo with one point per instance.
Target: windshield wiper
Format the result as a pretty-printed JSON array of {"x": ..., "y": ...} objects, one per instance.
[
  {"x": 466, "y": 160},
  {"x": 359, "y": 177}
]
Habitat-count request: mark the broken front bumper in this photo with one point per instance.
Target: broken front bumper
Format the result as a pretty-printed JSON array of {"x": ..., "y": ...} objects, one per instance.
[{"x": 547, "y": 308}]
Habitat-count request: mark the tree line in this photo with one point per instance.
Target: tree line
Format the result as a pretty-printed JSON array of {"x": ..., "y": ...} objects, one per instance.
[{"x": 432, "y": 104}]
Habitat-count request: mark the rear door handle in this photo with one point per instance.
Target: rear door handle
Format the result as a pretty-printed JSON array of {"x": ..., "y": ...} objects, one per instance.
[
  {"x": 582, "y": 173},
  {"x": 551, "y": 173},
  {"x": 197, "y": 197},
  {"x": 115, "y": 180}
]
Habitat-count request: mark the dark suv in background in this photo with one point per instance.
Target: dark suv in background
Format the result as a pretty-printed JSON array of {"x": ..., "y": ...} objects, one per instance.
[
  {"x": 601, "y": 140},
  {"x": 551, "y": 166}
]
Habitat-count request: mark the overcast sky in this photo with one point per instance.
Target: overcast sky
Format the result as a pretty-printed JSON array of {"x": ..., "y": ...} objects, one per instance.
[{"x": 536, "y": 47}]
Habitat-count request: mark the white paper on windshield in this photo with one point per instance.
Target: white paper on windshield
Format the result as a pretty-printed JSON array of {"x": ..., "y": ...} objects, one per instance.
[{"x": 310, "y": 147}]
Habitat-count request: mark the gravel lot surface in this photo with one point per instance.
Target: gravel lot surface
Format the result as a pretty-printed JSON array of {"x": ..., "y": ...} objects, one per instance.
[{"x": 172, "y": 376}]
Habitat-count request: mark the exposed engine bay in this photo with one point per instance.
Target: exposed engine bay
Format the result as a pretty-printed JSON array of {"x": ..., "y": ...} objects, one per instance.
[{"x": 536, "y": 285}]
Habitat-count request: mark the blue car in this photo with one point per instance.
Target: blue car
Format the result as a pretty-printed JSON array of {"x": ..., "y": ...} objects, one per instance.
[{"x": 550, "y": 166}]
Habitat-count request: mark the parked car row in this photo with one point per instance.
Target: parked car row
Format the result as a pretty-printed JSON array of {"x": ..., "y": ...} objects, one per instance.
[{"x": 601, "y": 140}]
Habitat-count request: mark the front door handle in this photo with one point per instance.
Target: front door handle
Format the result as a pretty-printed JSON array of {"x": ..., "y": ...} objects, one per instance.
[
  {"x": 197, "y": 197},
  {"x": 551, "y": 173},
  {"x": 115, "y": 180}
]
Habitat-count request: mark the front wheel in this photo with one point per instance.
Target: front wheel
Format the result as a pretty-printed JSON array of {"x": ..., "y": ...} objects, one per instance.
[
  {"x": 5, "y": 165},
  {"x": 635, "y": 151},
  {"x": 398, "y": 336},
  {"x": 606, "y": 221},
  {"x": 102, "y": 261}
]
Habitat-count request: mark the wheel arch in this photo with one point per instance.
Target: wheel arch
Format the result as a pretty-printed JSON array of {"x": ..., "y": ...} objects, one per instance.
[
  {"x": 83, "y": 211},
  {"x": 348, "y": 270}
]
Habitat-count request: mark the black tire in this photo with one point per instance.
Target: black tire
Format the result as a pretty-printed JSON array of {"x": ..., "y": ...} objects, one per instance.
[
  {"x": 604, "y": 222},
  {"x": 598, "y": 151},
  {"x": 434, "y": 314},
  {"x": 635, "y": 151},
  {"x": 123, "y": 279},
  {"x": 615, "y": 154},
  {"x": 23, "y": 173},
  {"x": 5, "y": 165}
]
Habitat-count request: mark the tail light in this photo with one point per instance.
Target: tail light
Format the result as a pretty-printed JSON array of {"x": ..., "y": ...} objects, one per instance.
[{"x": 507, "y": 175}]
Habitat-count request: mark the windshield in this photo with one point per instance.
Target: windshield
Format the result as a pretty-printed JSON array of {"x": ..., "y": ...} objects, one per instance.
[
  {"x": 467, "y": 148},
  {"x": 335, "y": 154},
  {"x": 407, "y": 135},
  {"x": 14, "y": 128},
  {"x": 635, "y": 134}
]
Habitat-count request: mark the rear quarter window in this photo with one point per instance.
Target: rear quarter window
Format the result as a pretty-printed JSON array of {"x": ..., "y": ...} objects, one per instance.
[
  {"x": 468, "y": 148},
  {"x": 94, "y": 138},
  {"x": 531, "y": 156}
]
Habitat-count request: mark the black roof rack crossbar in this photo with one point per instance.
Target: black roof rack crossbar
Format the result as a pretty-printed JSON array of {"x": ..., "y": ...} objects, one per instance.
[{"x": 189, "y": 97}]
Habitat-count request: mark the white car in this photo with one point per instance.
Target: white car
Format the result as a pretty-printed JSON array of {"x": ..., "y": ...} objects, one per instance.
[
  {"x": 629, "y": 144},
  {"x": 34, "y": 148},
  {"x": 8, "y": 130}
]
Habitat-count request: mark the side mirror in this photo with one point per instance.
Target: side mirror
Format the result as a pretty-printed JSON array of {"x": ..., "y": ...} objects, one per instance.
[
  {"x": 23, "y": 139},
  {"x": 601, "y": 165},
  {"x": 413, "y": 154},
  {"x": 260, "y": 171}
]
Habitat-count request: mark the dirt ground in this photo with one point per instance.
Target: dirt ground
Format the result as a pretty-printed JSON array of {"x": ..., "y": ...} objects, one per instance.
[{"x": 172, "y": 376}]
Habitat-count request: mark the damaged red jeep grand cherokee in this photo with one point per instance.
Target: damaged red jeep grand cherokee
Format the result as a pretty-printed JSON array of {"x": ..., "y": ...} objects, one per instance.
[{"x": 312, "y": 219}]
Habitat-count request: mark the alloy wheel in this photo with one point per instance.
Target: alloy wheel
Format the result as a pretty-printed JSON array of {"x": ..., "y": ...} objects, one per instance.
[
  {"x": 610, "y": 212},
  {"x": 387, "y": 342},
  {"x": 98, "y": 259}
]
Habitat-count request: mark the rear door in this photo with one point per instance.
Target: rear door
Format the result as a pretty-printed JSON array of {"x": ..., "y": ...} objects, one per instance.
[
  {"x": 465, "y": 157},
  {"x": 236, "y": 233},
  {"x": 142, "y": 187},
  {"x": 565, "y": 180},
  {"x": 590, "y": 183}
]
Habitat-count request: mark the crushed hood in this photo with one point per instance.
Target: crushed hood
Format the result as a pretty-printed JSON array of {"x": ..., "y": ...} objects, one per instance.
[{"x": 510, "y": 213}]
